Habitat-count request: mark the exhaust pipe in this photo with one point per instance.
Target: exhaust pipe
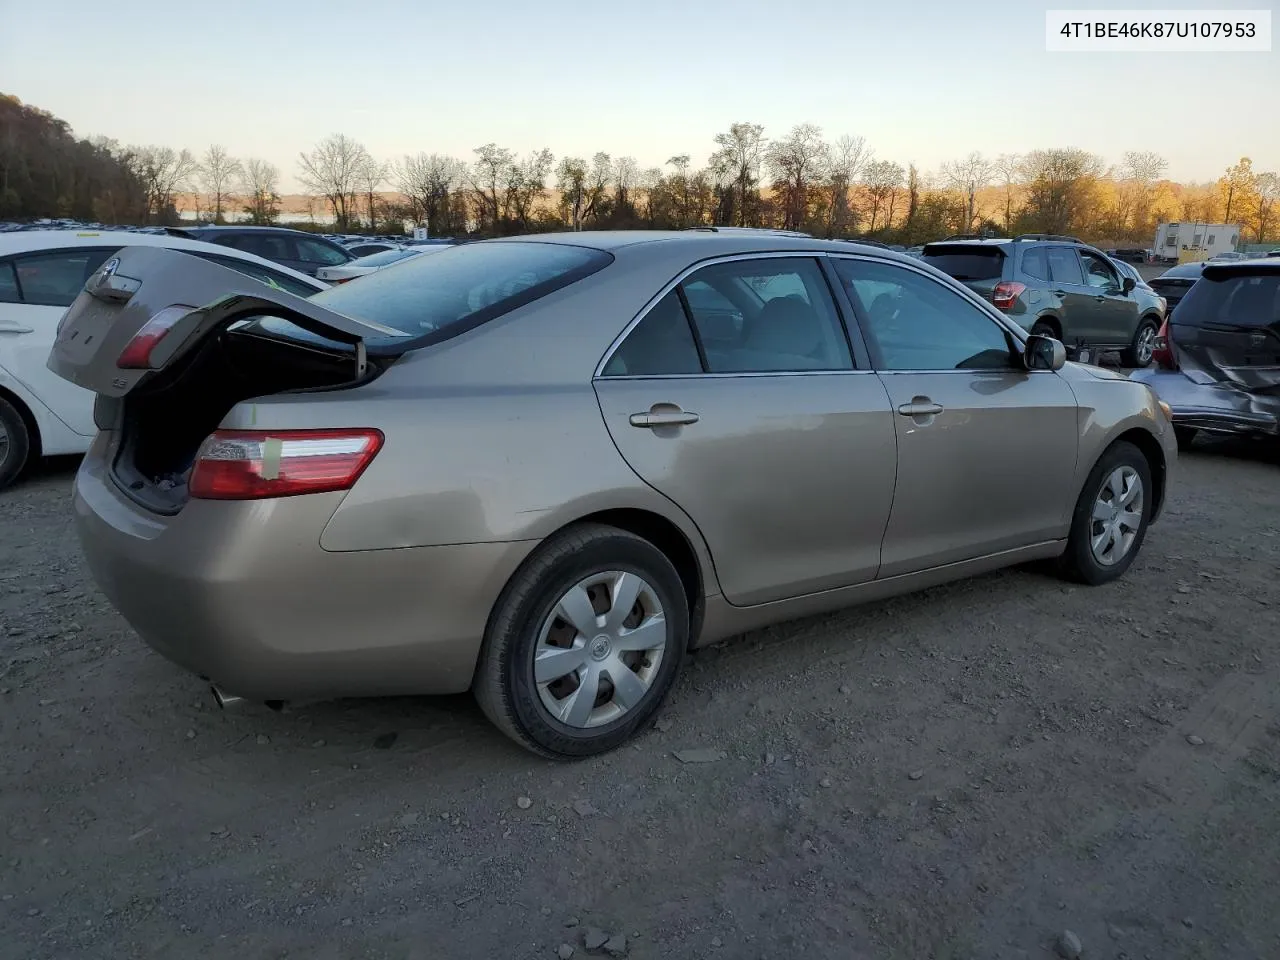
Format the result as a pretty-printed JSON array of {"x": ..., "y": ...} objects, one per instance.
[{"x": 225, "y": 700}]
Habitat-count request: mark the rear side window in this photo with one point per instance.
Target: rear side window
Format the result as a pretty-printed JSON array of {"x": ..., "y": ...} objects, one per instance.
[
  {"x": 439, "y": 296},
  {"x": 56, "y": 278},
  {"x": 1035, "y": 264},
  {"x": 1248, "y": 301},
  {"x": 966, "y": 261},
  {"x": 1064, "y": 266},
  {"x": 661, "y": 344},
  {"x": 8, "y": 284},
  {"x": 268, "y": 246}
]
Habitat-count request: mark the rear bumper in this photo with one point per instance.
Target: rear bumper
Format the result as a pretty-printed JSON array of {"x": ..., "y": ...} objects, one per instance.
[
  {"x": 243, "y": 595},
  {"x": 1200, "y": 403}
]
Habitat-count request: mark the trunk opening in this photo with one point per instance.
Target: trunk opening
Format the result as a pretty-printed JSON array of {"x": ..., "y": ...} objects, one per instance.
[{"x": 162, "y": 423}]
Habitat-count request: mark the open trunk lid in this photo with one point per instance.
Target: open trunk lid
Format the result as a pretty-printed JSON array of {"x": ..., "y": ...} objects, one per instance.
[{"x": 147, "y": 306}]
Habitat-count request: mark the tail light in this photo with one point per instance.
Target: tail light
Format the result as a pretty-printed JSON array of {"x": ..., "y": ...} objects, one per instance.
[
  {"x": 136, "y": 354},
  {"x": 1006, "y": 293},
  {"x": 257, "y": 464},
  {"x": 1162, "y": 349}
]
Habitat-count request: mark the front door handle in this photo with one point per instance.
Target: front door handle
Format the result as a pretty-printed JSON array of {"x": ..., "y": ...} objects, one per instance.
[
  {"x": 920, "y": 407},
  {"x": 664, "y": 415}
]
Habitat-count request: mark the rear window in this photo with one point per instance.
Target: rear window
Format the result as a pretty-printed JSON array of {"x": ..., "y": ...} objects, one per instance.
[
  {"x": 966, "y": 262},
  {"x": 1241, "y": 301},
  {"x": 436, "y": 297}
]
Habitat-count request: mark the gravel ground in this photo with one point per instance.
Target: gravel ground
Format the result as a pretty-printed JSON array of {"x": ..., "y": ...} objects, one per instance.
[{"x": 967, "y": 773}]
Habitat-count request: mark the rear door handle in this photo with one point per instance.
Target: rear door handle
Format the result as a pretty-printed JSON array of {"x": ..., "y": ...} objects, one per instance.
[
  {"x": 920, "y": 407},
  {"x": 663, "y": 418}
]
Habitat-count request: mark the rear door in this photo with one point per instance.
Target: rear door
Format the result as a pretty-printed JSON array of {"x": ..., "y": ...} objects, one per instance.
[
  {"x": 749, "y": 412},
  {"x": 177, "y": 298},
  {"x": 35, "y": 291},
  {"x": 1066, "y": 277},
  {"x": 1229, "y": 325}
]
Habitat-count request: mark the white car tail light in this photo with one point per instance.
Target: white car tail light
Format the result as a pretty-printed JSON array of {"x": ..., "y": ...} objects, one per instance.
[{"x": 257, "y": 464}]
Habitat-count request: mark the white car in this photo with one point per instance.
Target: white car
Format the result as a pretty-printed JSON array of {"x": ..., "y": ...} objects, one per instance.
[
  {"x": 41, "y": 272},
  {"x": 374, "y": 262}
]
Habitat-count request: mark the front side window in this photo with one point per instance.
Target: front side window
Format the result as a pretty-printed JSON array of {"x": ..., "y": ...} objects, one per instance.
[
  {"x": 1098, "y": 272},
  {"x": 436, "y": 296},
  {"x": 8, "y": 284},
  {"x": 915, "y": 323},
  {"x": 56, "y": 278},
  {"x": 1064, "y": 265},
  {"x": 784, "y": 319}
]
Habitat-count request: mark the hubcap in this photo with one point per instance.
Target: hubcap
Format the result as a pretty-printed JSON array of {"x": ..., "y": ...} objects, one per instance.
[
  {"x": 599, "y": 649},
  {"x": 1146, "y": 344},
  {"x": 1117, "y": 516}
]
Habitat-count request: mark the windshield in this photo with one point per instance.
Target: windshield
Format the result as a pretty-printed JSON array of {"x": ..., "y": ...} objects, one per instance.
[
  {"x": 1183, "y": 270},
  {"x": 966, "y": 261},
  {"x": 455, "y": 289},
  {"x": 1242, "y": 301}
]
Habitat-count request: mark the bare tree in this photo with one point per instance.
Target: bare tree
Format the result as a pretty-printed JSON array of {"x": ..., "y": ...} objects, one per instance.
[
  {"x": 1139, "y": 172},
  {"x": 164, "y": 173},
  {"x": 1008, "y": 167},
  {"x": 913, "y": 193},
  {"x": 847, "y": 158},
  {"x": 969, "y": 176},
  {"x": 625, "y": 175},
  {"x": 883, "y": 178},
  {"x": 370, "y": 176},
  {"x": 488, "y": 175},
  {"x": 680, "y": 184},
  {"x": 526, "y": 182},
  {"x": 260, "y": 187},
  {"x": 571, "y": 181},
  {"x": 220, "y": 173},
  {"x": 1060, "y": 183},
  {"x": 428, "y": 181},
  {"x": 737, "y": 157},
  {"x": 332, "y": 170},
  {"x": 797, "y": 162},
  {"x": 649, "y": 182}
]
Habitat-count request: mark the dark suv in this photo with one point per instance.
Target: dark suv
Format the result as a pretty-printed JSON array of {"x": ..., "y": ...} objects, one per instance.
[
  {"x": 1058, "y": 287},
  {"x": 304, "y": 252}
]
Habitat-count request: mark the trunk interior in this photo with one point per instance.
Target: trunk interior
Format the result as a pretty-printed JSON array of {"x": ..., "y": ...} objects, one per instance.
[{"x": 163, "y": 422}]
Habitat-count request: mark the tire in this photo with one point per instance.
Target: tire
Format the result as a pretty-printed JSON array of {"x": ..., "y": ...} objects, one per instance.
[
  {"x": 528, "y": 618},
  {"x": 1138, "y": 354},
  {"x": 15, "y": 443},
  {"x": 1079, "y": 562},
  {"x": 1185, "y": 436},
  {"x": 1042, "y": 328}
]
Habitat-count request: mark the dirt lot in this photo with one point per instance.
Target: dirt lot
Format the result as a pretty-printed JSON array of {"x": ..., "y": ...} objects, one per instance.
[{"x": 965, "y": 773}]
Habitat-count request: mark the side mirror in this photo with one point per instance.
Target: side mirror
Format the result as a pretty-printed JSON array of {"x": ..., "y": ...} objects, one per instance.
[
  {"x": 1044, "y": 353},
  {"x": 1127, "y": 285}
]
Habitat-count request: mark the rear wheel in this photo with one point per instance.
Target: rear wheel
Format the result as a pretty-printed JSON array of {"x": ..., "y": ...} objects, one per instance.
[
  {"x": 584, "y": 643},
  {"x": 1110, "y": 519},
  {"x": 15, "y": 443},
  {"x": 1143, "y": 345},
  {"x": 1043, "y": 328}
]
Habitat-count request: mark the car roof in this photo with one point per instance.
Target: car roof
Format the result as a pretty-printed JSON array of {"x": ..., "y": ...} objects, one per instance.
[
  {"x": 704, "y": 243},
  {"x": 246, "y": 228},
  {"x": 1261, "y": 266},
  {"x": 27, "y": 241}
]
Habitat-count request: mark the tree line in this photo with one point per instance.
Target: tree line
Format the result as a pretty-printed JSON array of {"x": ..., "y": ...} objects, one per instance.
[{"x": 799, "y": 180}]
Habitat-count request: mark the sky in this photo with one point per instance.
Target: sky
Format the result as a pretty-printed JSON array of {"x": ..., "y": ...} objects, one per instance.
[{"x": 923, "y": 81}]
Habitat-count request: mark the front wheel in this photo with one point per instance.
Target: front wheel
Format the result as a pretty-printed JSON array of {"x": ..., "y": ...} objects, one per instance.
[
  {"x": 584, "y": 643},
  {"x": 1111, "y": 516},
  {"x": 1142, "y": 348}
]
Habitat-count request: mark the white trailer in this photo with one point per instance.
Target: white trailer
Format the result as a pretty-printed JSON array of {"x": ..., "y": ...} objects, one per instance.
[{"x": 1194, "y": 240}]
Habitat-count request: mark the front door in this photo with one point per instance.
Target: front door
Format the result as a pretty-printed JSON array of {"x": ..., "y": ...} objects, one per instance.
[
  {"x": 746, "y": 410},
  {"x": 986, "y": 449},
  {"x": 1115, "y": 312}
]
